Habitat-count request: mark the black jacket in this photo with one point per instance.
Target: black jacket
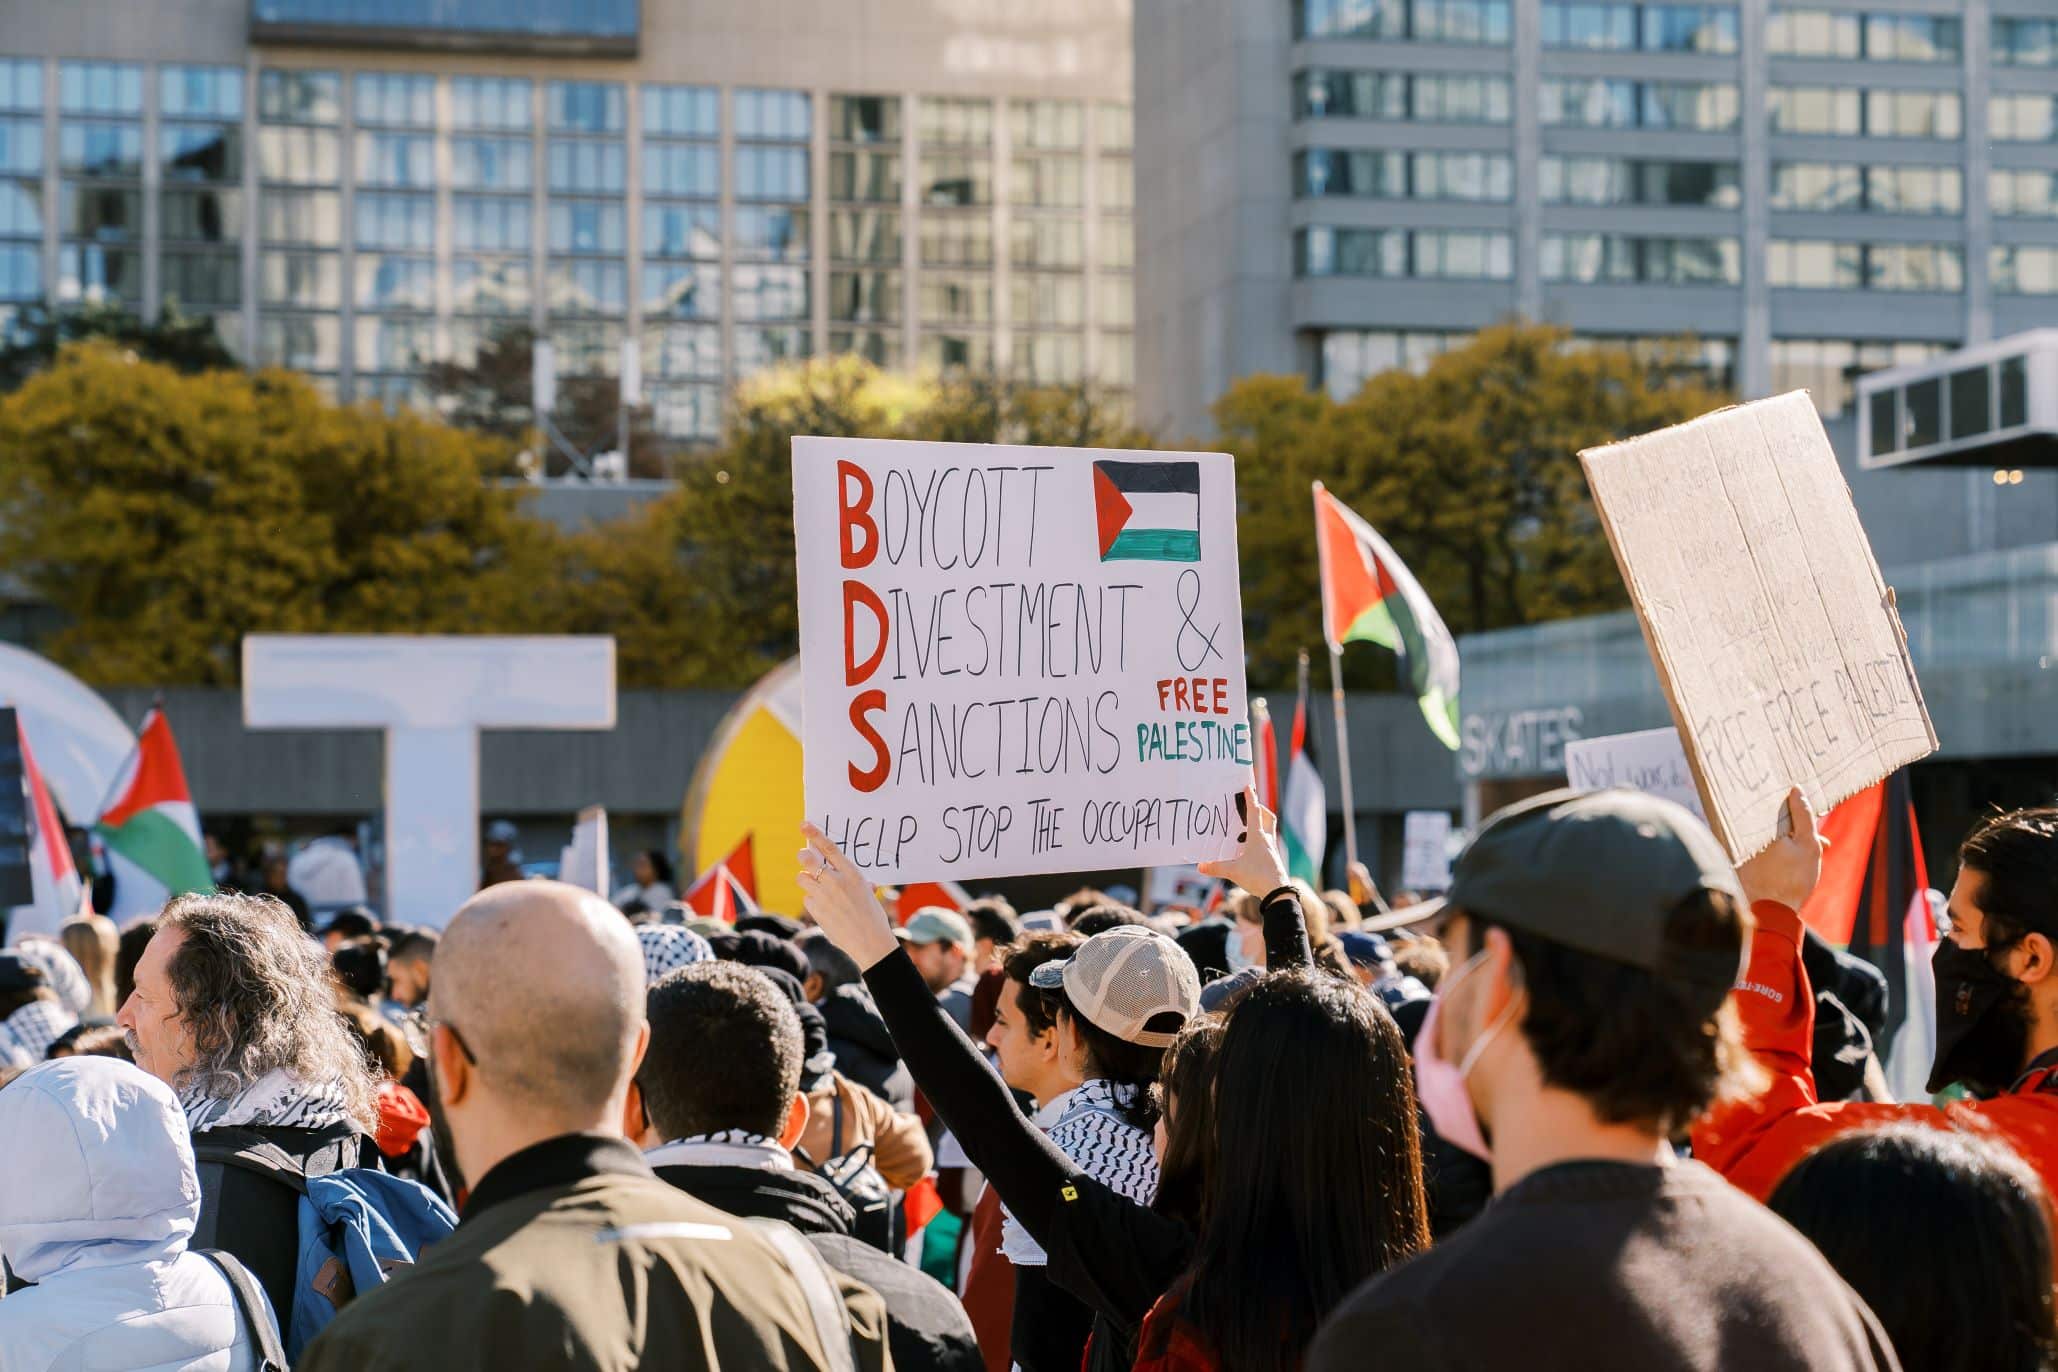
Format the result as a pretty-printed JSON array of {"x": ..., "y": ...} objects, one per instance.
[
  {"x": 251, "y": 1214},
  {"x": 864, "y": 1049},
  {"x": 926, "y": 1327}
]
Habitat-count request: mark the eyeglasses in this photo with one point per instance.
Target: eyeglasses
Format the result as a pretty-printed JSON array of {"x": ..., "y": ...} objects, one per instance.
[{"x": 462, "y": 1047}]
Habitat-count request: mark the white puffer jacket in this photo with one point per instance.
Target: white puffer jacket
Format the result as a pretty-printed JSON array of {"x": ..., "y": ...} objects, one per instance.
[{"x": 97, "y": 1200}]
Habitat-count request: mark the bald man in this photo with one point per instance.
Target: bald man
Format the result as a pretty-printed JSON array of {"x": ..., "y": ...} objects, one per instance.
[{"x": 570, "y": 1253}]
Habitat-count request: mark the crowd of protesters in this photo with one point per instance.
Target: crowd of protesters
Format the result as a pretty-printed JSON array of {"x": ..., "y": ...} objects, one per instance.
[{"x": 1605, "y": 1104}]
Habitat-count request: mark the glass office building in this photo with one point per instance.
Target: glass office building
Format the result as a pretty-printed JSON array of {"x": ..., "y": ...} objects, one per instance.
[
  {"x": 1812, "y": 188},
  {"x": 360, "y": 189}
]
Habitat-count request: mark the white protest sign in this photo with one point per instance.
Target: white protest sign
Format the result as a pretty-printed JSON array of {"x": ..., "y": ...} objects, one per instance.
[
  {"x": 1019, "y": 660},
  {"x": 1651, "y": 761},
  {"x": 1426, "y": 850},
  {"x": 1182, "y": 885},
  {"x": 1774, "y": 636}
]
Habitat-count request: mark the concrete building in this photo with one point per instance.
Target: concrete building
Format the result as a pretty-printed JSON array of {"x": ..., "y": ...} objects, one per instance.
[
  {"x": 1813, "y": 188},
  {"x": 356, "y": 187}
]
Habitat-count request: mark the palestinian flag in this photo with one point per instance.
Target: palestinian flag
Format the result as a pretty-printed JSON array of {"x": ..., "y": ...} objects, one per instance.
[
  {"x": 727, "y": 891},
  {"x": 920, "y": 895},
  {"x": 1303, "y": 804},
  {"x": 1147, "y": 511},
  {"x": 1369, "y": 596},
  {"x": 60, "y": 895},
  {"x": 149, "y": 826},
  {"x": 1873, "y": 899},
  {"x": 1267, "y": 759}
]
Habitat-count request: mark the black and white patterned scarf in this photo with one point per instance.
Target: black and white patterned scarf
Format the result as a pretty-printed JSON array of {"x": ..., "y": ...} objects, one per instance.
[
  {"x": 275, "y": 1101},
  {"x": 1087, "y": 1125},
  {"x": 723, "y": 1148}
]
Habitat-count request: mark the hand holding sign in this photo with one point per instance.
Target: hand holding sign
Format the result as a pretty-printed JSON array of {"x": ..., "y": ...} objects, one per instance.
[
  {"x": 1787, "y": 871},
  {"x": 842, "y": 901},
  {"x": 1258, "y": 866}
]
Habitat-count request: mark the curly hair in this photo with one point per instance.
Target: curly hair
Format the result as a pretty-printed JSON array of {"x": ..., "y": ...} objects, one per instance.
[{"x": 256, "y": 994}]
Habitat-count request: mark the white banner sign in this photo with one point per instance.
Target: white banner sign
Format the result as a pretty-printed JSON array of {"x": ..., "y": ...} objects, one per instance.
[
  {"x": 1019, "y": 660},
  {"x": 1426, "y": 850},
  {"x": 1651, "y": 761}
]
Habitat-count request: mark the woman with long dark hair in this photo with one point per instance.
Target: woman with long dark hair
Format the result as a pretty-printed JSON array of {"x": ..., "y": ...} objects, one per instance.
[
  {"x": 1316, "y": 1179},
  {"x": 1945, "y": 1234},
  {"x": 1121, "y": 1257}
]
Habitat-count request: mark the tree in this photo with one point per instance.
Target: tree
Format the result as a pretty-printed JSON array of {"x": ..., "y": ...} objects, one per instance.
[
  {"x": 166, "y": 516},
  {"x": 698, "y": 586},
  {"x": 1469, "y": 469},
  {"x": 494, "y": 394},
  {"x": 186, "y": 343}
]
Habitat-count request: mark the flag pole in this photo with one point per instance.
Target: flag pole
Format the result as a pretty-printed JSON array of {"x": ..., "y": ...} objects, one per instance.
[
  {"x": 1343, "y": 733},
  {"x": 1343, "y": 760}
]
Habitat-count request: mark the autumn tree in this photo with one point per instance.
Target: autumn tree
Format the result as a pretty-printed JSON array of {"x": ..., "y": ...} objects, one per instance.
[
  {"x": 186, "y": 343},
  {"x": 165, "y": 516},
  {"x": 1469, "y": 468}
]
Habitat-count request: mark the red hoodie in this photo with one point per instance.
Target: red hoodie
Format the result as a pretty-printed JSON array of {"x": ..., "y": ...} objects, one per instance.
[
  {"x": 1755, "y": 1142},
  {"x": 401, "y": 1118}
]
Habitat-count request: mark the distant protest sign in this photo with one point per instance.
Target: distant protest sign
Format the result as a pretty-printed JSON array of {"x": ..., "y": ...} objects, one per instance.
[
  {"x": 1773, "y": 634},
  {"x": 1426, "y": 850},
  {"x": 1019, "y": 660},
  {"x": 1652, "y": 761}
]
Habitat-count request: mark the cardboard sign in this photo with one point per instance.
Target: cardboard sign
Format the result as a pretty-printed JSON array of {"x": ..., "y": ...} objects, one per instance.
[
  {"x": 1426, "y": 850},
  {"x": 1019, "y": 660},
  {"x": 1774, "y": 637},
  {"x": 1651, "y": 761}
]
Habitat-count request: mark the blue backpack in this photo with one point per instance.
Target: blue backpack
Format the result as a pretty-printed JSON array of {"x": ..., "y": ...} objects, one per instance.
[{"x": 357, "y": 1226}]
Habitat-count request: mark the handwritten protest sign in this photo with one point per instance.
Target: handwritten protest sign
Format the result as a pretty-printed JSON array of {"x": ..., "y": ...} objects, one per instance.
[
  {"x": 1652, "y": 761},
  {"x": 1426, "y": 850},
  {"x": 1773, "y": 634},
  {"x": 1019, "y": 660}
]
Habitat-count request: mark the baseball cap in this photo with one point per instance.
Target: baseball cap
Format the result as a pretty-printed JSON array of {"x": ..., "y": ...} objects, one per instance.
[
  {"x": 503, "y": 831},
  {"x": 1599, "y": 872},
  {"x": 935, "y": 924},
  {"x": 1363, "y": 949},
  {"x": 1124, "y": 977}
]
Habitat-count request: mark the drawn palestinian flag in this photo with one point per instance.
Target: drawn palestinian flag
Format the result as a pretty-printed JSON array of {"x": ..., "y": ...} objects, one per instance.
[
  {"x": 1147, "y": 511},
  {"x": 1369, "y": 596}
]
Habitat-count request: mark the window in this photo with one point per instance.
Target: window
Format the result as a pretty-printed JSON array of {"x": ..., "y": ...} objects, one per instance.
[
  {"x": 395, "y": 283},
  {"x": 2023, "y": 118},
  {"x": 1821, "y": 264},
  {"x": 490, "y": 287},
  {"x": 1350, "y": 357},
  {"x": 682, "y": 111},
  {"x": 1425, "y": 253},
  {"x": 2026, "y": 42},
  {"x": 957, "y": 241},
  {"x": 1623, "y": 258},
  {"x": 200, "y": 152},
  {"x": 300, "y": 218},
  {"x": 1400, "y": 175},
  {"x": 1048, "y": 301},
  {"x": 491, "y": 102},
  {"x": 1460, "y": 21},
  {"x": 1889, "y": 189},
  {"x": 1047, "y": 124},
  {"x": 960, "y": 123},
  {"x": 584, "y": 106},
  {"x": 299, "y": 97},
  {"x": 865, "y": 296},
  {"x": 1050, "y": 359},
  {"x": 864, "y": 118},
  {"x": 1626, "y": 181},
  {"x": 198, "y": 93},
  {"x": 955, "y": 351},
  {"x": 1117, "y": 245},
  {"x": 957, "y": 298},
  {"x": 1711, "y": 361},
  {"x": 1848, "y": 111},
  {"x": 101, "y": 148},
  {"x": 1828, "y": 368},
  {"x": 872, "y": 177},
  {"x": 586, "y": 166},
  {"x": 1116, "y": 126},
  {"x": 492, "y": 164},
  {"x": 1815, "y": 33},
  {"x": 393, "y": 100},
  {"x": 2024, "y": 194},
  {"x": 2022, "y": 269},
  {"x": 1817, "y": 109},
  {"x": 484, "y": 223},
  {"x": 1400, "y": 96},
  {"x": 771, "y": 292},
  {"x": 1913, "y": 38},
  {"x": 302, "y": 343},
  {"x": 1877, "y": 37},
  {"x": 682, "y": 290},
  {"x": 1630, "y": 27},
  {"x": 311, "y": 280},
  {"x": 1972, "y": 402},
  {"x": 682, "y": 169},
  {"x": 1046, "y": 242},
  {"x": 106, "y": 214},
  {"x": 100, "y": 88},
  {"x": 771, "y": 233},
  {"x": 1911, "y": 114},
  {"x": 687, "y": 412},
  {"x": 396, "y": 223},
  {"x": 682, "y": 230},
  {"x": 21, "y": 210},
  {"x": 579, "y": 286},
  {"x": 1610, "y": 104},
  {"x": 21, "y": 272},
  {"x": 682, "y": 352},
  {"x": 1351, "y": 19},
  {"x": 1114, "y": 302},
  {"x": 1048, "y": 182},
  {"x": 587, "y": 226},
  {"x": 21, "y": 146},
  {"x": 1115, "y": 183},
  {"x": 21, "y": 85},
  {"x": 396, "y": 159},
  {"x": 772, "y": 114},
  {"x": 771, "y": 173}
]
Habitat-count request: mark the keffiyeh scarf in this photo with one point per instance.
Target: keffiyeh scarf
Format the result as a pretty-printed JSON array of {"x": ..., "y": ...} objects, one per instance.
[{"x": 274, "y": 1101}]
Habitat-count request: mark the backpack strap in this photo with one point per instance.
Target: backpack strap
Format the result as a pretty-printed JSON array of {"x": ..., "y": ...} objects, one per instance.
[
  {"x": 836, "y": 1124},
  {"x": 249, "y": 1152},
  {"x": 825, "y": 1307},
  {"x": 257, "y": 1320}
]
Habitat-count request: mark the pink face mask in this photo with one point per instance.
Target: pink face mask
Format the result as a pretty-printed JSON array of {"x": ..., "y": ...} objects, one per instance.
[{"x": 1440, "y": 1085}]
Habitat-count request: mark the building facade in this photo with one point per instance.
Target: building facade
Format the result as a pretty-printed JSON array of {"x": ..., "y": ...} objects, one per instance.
[
  {"x": 358, "y": 188},
  {"x": 1811, "y": 188}
]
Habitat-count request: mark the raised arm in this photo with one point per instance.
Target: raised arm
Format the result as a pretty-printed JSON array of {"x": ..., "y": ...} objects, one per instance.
[
  {"x": 1024, "y": 1166},
  {"x": 1260, "y": 869}
]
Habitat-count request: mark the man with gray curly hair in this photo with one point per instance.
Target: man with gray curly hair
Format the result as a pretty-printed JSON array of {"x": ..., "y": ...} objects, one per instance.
[{"x": 234, "y": 1010}]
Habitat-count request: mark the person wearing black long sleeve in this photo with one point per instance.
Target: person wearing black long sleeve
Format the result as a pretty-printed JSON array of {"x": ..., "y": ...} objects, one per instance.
[{"x": 1116, "y": 1254}]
